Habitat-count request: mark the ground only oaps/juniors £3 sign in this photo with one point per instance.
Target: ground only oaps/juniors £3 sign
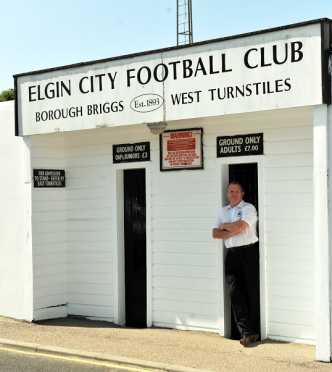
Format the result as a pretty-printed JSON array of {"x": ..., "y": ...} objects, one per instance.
[
  {"x": 131, "y": 152},
  {"x": 243, "y": 145}
]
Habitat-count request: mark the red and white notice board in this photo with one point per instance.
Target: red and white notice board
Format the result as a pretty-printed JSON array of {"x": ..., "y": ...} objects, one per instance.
[{"x": 181, "y": 149}]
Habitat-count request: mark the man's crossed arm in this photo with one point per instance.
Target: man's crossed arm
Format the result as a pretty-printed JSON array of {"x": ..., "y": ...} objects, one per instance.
[{"x": 229, "y": 229}]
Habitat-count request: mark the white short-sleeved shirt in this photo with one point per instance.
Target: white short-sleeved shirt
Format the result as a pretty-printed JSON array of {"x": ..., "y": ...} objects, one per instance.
[{"x": 246, "y": 212}]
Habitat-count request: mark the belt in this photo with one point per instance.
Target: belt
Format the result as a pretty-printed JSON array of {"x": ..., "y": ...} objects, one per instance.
[{"x": 233, "y": 249}]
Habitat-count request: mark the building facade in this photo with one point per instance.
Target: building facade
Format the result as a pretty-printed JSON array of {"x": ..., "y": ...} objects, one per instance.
[{"x": 119, "y": 219}]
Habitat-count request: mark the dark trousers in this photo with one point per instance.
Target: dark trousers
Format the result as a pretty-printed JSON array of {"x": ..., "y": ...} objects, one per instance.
[{"x": 242, "y": 279}]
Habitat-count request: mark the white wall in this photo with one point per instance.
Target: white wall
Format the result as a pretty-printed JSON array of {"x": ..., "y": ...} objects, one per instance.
[
  {"x": 49, "y": 232},
  {"x": 89, "y": 235},
  {"x": 12, "y": 236},
  {"x": 184, "y": 211},
  {"x": 289, "y": 231},
  {"x": 184, "y": 255},
  {"x": 288, "y": 202},
  {"x": 184, "y": 258}
]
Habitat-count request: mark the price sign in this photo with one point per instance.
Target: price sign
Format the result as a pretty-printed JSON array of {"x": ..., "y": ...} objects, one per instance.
[
  {"x": 243, "y": 145},
  {"x": 131, "y": 152}
]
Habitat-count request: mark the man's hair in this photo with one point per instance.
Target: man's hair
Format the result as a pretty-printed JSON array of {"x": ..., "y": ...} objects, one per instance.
[{"x": 235, "y": 183}]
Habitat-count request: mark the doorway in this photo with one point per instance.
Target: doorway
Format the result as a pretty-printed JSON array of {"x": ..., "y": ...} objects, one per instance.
[
  {"x": 247, "y": 175},
  {"x": 134, "y": 190}
]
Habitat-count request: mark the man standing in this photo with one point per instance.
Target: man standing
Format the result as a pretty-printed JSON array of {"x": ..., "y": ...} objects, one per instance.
[{"x": 237, "y": 225}]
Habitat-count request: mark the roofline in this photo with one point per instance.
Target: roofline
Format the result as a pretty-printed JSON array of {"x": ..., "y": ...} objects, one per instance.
[{"x": 126, "y": 56}]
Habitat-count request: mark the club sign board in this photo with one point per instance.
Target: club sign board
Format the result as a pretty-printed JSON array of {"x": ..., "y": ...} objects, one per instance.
[
  {"x": 261, "y": 71},
  {"x": 242, "y": 145}
]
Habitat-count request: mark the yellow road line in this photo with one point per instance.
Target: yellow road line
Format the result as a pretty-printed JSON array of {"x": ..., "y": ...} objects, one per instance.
[{"x": 75, "y": 360}]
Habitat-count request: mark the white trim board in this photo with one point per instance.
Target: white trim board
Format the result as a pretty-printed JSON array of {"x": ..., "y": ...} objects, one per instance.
[
  {"x": 184, "y": 328},
  {"x": 30, "y": 314},
  {"x": 292, "y": 339},
  {"x": 322, "y": 230},
  {"x": 222, "y": 182},
  {"x": 118, "y": 247}
]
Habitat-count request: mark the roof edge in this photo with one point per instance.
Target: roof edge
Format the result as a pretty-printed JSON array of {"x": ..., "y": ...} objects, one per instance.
[{"x": 126, "y": 56}]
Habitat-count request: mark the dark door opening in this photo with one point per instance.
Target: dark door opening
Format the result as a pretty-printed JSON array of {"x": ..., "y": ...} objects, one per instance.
[
  {"x": 135, "y": 246},
  {"x": 247, "y": 175}
]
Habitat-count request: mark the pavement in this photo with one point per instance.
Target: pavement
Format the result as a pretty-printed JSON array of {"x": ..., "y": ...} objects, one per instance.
[
  {"x": 12, "y": 360},
  {"x": 155, "y": 348}
]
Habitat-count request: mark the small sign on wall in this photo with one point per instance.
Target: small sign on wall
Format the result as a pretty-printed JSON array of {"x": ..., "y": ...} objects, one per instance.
[
  {"x": 181, "y": 149},
  {"x": 242, "y": 145},
  {"x": 131, "y": 152},
  {"x": 49, "y": 178}
]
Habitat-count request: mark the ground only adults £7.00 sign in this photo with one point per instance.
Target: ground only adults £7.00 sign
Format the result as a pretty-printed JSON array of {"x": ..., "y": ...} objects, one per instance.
[{"x": 242, "y": 145}]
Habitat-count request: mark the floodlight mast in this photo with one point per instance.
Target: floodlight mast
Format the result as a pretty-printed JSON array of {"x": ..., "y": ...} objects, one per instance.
[{"x": 184, "y": 22}]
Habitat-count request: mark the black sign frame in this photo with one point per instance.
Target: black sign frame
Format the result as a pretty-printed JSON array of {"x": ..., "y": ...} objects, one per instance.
[
  {"x": 136, "y": 150},
  {"x": 42, "y": 182},
  {"x": 240, "y": 145}
]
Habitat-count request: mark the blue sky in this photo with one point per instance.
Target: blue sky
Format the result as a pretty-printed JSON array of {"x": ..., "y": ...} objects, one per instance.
[{"x": 38, "y": 34}]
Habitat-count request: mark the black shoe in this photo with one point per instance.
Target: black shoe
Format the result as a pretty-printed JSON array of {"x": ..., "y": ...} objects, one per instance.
[{"x": 249, "y": 340}]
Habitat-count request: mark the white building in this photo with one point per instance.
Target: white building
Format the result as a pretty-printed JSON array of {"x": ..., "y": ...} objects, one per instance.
[
  {"x": 13, "y": 279},
  {"x": 269, "y": 93}
]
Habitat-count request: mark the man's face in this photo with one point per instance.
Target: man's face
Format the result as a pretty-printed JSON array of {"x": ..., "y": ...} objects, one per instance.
[{"x": 234, "y": 195}]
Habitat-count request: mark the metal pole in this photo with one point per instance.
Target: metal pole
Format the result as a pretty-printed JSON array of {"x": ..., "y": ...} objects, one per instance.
[
  {"x": 185, "y": 13},
  {"x": 191, "y": 36},
  {"x": 177, "y": 22}
]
